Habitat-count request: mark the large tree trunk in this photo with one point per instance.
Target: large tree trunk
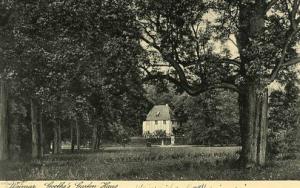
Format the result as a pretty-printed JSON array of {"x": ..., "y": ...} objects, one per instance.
[
  {"x": 94, "y": 137},
  {"x": 263, "y": 128},
  {"x": 72, "y": 137},
  {"x": 77, "y": 134},
  {"x": 3, "y": 121},
  {"x": 34, "y": 130},
  {"x": 247, "y": 100},
  {"x": 253, "y": 124},
  {"x": 253, "y": 104}
]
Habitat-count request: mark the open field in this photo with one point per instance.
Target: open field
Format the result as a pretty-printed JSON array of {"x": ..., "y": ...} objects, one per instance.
[{"x": 141, "y": 163}]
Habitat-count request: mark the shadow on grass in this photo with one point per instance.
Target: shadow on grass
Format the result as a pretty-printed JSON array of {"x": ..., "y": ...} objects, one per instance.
[{"x": 145, "y": 164}]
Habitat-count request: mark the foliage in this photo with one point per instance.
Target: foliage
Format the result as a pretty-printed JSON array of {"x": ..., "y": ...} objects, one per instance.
[
  {"x": 83, "y": 59},
  {"x": 284, "y": 122},
  {"x": 119, "y": 133},
  {"x": 242, "y": 46},
  {"x": 209, "y": 118},
  {"x": 212, "y": 119},
  {"x": 157, "y": 137},
  {"x": 159, "y": 133},
  {"x": 147, "y": 134},
  {"x": 78, "y": 59}
]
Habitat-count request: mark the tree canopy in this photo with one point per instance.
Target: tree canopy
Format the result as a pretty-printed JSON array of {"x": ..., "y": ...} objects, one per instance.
[
  {"x": 87, "y": 61},
  {"x": 186, "y": 37}
]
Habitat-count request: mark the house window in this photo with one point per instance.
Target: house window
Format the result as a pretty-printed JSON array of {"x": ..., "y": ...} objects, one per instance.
[
  {"x": 157, "y": 114},
  {"x": 156, "y": 122},
  {"x": 164, "y": 122}
]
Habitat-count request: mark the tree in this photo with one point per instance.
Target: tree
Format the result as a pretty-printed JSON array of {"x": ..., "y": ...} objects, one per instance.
[
  {"x": 284, "y": 116},
  {"x": 35, "y": 137},
  {"x": 93, "y": 58},
  {"x": 182, "y": 35},
  {"x": 31, "y": 71},
  {"x": 6, "y": 14},
  {"x": 119, "y": 133},
  {"x": 3, "y": 122},
  {"x": 26, "y": 70},
  {"x": 210, "y": 118}
]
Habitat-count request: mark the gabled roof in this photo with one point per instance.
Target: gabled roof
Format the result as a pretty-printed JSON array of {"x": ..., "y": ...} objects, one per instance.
[{"x": 160, "y": 112}]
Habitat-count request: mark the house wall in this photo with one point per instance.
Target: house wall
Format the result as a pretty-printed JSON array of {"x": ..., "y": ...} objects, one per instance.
[{"x": 151, "y": 126}]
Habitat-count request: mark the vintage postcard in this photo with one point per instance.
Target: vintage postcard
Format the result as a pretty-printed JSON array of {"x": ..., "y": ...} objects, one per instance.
[{"x": 149, "y": 93}]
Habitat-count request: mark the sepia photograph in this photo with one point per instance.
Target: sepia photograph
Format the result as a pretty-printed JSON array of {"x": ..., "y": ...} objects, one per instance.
[{"x": 149, "y": 90}]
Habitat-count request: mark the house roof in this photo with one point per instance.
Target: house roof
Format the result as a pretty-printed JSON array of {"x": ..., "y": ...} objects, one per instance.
[{"x": 160, "y": 112}]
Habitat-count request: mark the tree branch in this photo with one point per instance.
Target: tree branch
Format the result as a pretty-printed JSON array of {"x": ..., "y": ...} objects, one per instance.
[
  {"x": 295, "y": 8},
  {"x": 192, "y": 92},
  {"x": 224, "y": 85},
  {"x": 234, "y": 43},
  {"x": 284, "y": 51},
  {"x": 173, "y": 80},
  {"x": 182, "y": 82},
  {"x": 170, "y": 60},
  {"x": 178, "y": 65},
  {"x": 232, "y": 62},
  {"x": 153, "y": 44},
  {"x": 291, "y": 62},
  {"x": 270, "y": 5}
]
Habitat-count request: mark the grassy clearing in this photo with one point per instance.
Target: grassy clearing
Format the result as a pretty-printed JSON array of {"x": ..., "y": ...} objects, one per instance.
[{"x": 140, "y": 163}]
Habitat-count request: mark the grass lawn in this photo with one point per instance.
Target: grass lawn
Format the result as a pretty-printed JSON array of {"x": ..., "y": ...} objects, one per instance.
[{"x": 141, "y": 163}]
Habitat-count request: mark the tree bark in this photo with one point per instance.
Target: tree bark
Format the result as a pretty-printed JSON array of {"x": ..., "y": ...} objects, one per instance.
[
  {"x": 263, "y": 128},
  {"x": 77, "y": 134},
  {"x": 253, "y": 105},
  {"x": 72, "y": 138},
  {"x": 247, "y": 100},
  {"x": 34, "y": 130},
  {"x": 3, "y": 121},
  {"x": 253, "y": 124}
]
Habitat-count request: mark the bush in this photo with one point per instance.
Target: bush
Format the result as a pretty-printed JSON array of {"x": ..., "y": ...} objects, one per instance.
[
  {"x": 276, "y": 145},
  {"x": 284, "y": 118},
  {"x": 120, "y": 134},
  {"x": 279, "y": 145}
]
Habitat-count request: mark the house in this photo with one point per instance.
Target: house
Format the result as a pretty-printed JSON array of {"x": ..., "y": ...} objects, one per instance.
[{"x": 160, "y": 117}]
